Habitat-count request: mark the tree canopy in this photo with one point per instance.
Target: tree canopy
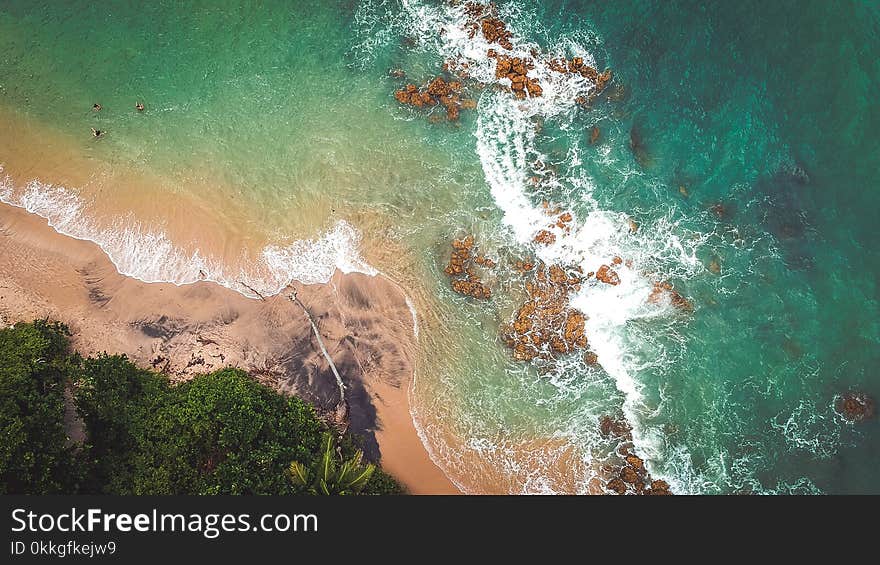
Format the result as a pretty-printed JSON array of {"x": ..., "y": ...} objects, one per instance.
[
  {"x": 35, "y": 456},
  {"x": 219, "y": 433}
]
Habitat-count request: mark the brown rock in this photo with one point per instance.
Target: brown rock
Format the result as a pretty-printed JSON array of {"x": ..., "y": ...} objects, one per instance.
[
  {"x": 534, "y": 88},
  {"x": 855, "y": 406},
  {"x": 594, "y": 135},
  {"x": 629, "y": 475},
  {"x": 659, "y": 488},
  {"x": 439, "y": 87},
  {"x": 558, "y": 65},
  {"x": 616, "y": 485},
  {"x": 461, "y": 269},
  {"x": 603, "y": 79},
  {"x": 615, "y": 428},
  {"x": 475, "y": 10},
  {"x": 719, "y": 210},
  {"x": 495, "y": 31},
  {"x": 589, "y": 73},
  {"x": 523, "y": 266},
  {"x": 635, "y": 462},
  {"x": 544, "y": 325},
  {"x": 545, "y": 237},
  {"x": 607, "y": 275},
  {"x": 475, "y": 289},
  {"x": 577, "y": 66},
  {"x": 437, "y": 91},
  {"x": 515, "y": 70},
  {"x": 665, "y": 289}
]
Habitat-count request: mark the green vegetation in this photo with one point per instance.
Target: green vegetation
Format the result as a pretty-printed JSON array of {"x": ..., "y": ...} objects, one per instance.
[
  {"x": 34, "y": 453},
  {"x": 332, "y": 473},
  {"x": 220, "y": 433}
]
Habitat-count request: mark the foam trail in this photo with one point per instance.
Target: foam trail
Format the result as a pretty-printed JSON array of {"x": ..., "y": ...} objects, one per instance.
[
  {"x": 506, "y": 145},
  {"x": 151, "y": 256}
]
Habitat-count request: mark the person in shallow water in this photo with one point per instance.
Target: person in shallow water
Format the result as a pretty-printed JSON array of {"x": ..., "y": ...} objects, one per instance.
[
  {"x": 139, "y": 106},
  {"x": 97, "y": 132},
  {"x": 96, "y": 107}
]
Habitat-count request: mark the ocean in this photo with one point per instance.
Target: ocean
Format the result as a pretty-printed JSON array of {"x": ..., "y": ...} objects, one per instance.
[{"x": 743, "y": 138}]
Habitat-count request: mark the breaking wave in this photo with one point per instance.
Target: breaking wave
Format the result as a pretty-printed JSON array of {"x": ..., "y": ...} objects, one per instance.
[
  {"x": 151, "y": 256},
  {"x": 510, "y": 155}
]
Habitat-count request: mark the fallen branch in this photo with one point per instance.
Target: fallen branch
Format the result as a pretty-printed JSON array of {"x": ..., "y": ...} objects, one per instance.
[{"x": 293, "y": 298}]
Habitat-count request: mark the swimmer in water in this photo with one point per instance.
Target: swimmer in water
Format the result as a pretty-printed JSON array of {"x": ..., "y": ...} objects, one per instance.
[
  {"x": 97, "y": 132},
  {"x": 139, "y": 106},
  {"x": 96, "y": 107}
]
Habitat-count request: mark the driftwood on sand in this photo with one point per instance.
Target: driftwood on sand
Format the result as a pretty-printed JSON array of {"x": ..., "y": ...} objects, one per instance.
[{"x": 342, "y": 405}]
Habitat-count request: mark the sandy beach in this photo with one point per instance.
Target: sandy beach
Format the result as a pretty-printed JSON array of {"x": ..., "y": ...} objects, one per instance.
[{"x": 364, "y": 321}]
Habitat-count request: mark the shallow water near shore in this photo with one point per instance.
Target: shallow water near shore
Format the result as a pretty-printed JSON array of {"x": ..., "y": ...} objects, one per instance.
[{"x": 271, "y": 133}]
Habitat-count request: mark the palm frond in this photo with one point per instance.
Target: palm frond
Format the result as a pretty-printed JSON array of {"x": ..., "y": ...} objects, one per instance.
[{"x": 299, "y": 473}]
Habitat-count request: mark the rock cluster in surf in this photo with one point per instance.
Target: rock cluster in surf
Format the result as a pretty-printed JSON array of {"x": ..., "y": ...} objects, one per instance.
[
  {"x": 633, "y": 478},
  {"x": 629, "y": 476},
  {"x": 461, "y": 269},
  {"x": 607, "y": 275},
  {"x": 545, "y": 325},
  {"x": 483, "y": 19},
  {"x": 547, "y": 237},
  {"x": 576, "y": 65},
  {"x": 438, "y": 91},
  {"x": 615, "y": 428},
  {"x": 516, "y": 70},
  {"x": 663, "y": 292}
]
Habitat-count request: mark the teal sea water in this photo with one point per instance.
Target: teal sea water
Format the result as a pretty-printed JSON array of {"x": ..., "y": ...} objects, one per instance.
[{"x": 766, "y": 108}]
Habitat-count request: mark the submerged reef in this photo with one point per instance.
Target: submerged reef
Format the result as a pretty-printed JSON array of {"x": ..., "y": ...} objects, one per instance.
[
  {"x": 664, "y": 292},
  {"x": 855, "y": 406},
  {"x": 576, "y": 65}
]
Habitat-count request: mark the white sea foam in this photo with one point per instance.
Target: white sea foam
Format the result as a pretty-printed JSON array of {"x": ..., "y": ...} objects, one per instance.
[
  {"x": 506, "y": 144},
  {"x": 810, "y": 428},
  {"x": 151, "y": 256}
]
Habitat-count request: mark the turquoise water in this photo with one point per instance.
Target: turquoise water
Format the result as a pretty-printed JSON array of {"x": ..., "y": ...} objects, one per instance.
[{"x": 767, "y": 108}]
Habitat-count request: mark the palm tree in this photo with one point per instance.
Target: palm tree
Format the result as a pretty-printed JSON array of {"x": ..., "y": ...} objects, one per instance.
[{"x": 332, "y": 474}]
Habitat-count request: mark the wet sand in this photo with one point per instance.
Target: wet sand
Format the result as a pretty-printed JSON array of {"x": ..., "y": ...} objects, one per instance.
[{"x": 364, "y": 322}]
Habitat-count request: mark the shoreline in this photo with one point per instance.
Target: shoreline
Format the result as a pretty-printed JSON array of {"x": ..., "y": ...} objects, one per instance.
[{"x": 183, "y": 330}]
